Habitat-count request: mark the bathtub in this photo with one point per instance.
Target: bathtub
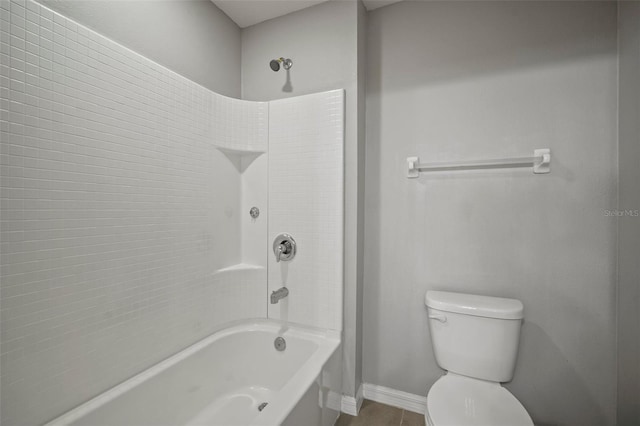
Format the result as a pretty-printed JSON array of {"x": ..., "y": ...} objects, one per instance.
[{"x": 225, "y": 378}]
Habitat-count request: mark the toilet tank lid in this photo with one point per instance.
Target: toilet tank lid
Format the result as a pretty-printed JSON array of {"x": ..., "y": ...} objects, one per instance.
[{"x": 472, "y": 304}]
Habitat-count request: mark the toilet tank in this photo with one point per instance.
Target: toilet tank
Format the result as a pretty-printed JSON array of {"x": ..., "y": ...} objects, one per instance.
[{"x": 475, "y": 336}]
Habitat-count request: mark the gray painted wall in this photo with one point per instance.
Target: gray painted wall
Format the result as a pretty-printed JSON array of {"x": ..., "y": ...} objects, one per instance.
[
  {"x": 191, "y": 37},
  {"x": 354, "y": 377},
  {"x": 323, "y": 43},
  {"x": 629, "y": 226},
  {"x": 465, "y": 80}
]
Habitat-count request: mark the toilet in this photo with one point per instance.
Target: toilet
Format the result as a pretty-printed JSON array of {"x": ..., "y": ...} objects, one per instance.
[{"x": 475, "y": 338}]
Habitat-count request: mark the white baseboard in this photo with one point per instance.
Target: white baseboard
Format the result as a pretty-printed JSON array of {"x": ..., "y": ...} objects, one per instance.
[
  {"x": 351, "y": 405},
  {"x": 334, "y": 401},
  {"x": 396, "y": 398}
]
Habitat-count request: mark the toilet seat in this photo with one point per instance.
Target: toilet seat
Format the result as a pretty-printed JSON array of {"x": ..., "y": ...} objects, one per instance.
[{"x": 456, "y": 400}]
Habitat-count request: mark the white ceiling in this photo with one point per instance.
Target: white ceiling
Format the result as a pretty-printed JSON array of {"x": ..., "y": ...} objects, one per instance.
[{"x": 250, "y": 12}]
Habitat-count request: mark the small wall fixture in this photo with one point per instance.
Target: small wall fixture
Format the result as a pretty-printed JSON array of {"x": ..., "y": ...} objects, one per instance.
[
  {"x": 284, "y": 247},
  {"x": 286, "y": 63},
  {"x": 540, "y": 162}
]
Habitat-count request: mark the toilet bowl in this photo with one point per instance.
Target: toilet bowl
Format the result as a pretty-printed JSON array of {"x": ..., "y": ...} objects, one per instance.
[
  {"x": 458, "y": 400},
  {"x": 475, "y": 338}
]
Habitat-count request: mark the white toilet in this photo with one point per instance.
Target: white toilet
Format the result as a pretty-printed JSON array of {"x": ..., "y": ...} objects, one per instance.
[{"x": 475, "y": 338}]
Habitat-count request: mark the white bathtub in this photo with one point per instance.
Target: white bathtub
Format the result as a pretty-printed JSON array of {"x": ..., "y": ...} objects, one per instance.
[{"x": 223, "y": 379}]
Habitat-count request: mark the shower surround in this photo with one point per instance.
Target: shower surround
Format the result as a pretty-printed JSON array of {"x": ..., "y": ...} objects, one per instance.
[{"x": 126, "y": 191}]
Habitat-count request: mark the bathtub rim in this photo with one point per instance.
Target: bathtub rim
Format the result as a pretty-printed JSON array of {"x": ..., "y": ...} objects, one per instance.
[{"x": 328, "y": 342}]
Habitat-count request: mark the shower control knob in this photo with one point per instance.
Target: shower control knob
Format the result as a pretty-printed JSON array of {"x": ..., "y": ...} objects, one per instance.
[{"x": 284, "y": 247}]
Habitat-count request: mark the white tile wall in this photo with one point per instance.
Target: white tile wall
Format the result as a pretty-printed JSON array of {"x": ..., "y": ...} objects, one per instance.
[
  {"x": 240, "y": 125},
  {"x": 115, "y": 211},
  {"x": 306, "y": 200}
]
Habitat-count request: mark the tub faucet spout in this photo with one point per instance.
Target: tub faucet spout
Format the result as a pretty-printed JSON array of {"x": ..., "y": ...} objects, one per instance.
[{"x": 280, "y": 293}]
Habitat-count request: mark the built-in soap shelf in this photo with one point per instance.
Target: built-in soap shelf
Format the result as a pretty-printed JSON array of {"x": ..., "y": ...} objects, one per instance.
[
  {"x": 240, "y": 158},
  {"x": 240, "y": 152},
  {"x": 239, "y": 267}
]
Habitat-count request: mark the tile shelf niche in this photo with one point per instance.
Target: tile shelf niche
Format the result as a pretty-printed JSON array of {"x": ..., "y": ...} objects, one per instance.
[{"x": 240, "y": 158}]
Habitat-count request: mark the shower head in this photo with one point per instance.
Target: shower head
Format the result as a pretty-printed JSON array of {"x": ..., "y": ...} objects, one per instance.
[{"x": 275, "y": 64}]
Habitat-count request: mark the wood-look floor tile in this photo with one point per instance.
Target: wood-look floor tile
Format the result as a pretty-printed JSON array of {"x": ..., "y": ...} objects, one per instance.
[
  {"x": 373, "y": 414},
  {"x": 409, "y": 418},
  {"x": 344, "y": 420}
]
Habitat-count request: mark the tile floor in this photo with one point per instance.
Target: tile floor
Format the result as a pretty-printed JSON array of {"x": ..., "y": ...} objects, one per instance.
[{"x": 376, "y": 414}]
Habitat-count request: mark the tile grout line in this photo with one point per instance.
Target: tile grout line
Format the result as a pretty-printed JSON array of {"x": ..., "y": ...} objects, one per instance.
[{"x": 401, "y": 418}]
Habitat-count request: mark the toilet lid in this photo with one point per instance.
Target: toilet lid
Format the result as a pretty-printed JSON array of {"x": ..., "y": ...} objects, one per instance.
[{"x": 462, "y": 401}]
